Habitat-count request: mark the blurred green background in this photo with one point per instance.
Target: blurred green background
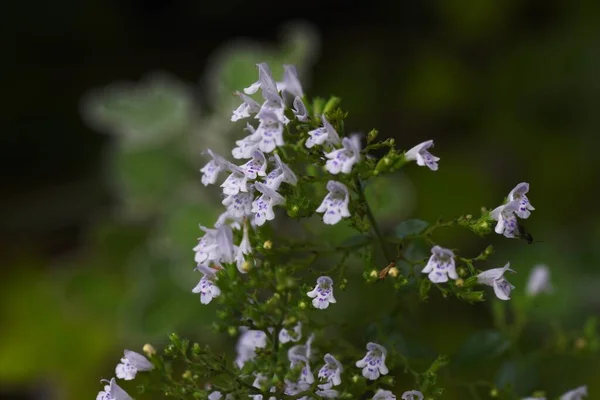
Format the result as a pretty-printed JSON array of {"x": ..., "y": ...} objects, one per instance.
[{"x": 108, "y": 106}]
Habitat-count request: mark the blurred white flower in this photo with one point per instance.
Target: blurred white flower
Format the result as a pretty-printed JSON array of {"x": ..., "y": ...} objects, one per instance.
[
  {"x": 324, "y": 135},
  {"x": 262, "y": 207},
  {"x": 539, "y": 281},
  {"x": 299, "y": 110},
  {"x": 247, "y": 344},
  {"x": 384, "y": 395},
  {"x": 422, "y": 156},
  {"x": 246, "y": 109},
  {"x": 210, "y": 172},
  {"x": 518, "y": 195},
  {"x": 282, "y": 173},
  {"x": 330, "y": 373},
  {"x": 412, "y": 395},
  {"x": 575, "y": 394},
  {"x": 285, "y": 336},
  {"x": 112, "y": 391}
]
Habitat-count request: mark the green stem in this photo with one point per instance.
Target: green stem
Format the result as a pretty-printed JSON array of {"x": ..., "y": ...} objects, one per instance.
[{"x": 361, "y": 195}]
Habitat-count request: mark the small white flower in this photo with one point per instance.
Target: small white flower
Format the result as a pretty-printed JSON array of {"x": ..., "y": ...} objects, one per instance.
[
  {"x": 112, "y": 391},
  {"x": 422, "y": 156},
  {"x": 518, "y": 195},
  {"x": 412, "y": 395},
  {"x": 575, "y": 394},
  {"x": 495, "y": 278},
  {"x": 539, "y": 281},
  {"x": 373, "y": 363},
  {"x": 227, "y": 219},
  {"x": 384, "y": 395},
  {"x": 328, "y": 393},
  {"x": 262, "y": 207},
  {"x": 256, "y": 166},
  {"x": 306, "y": 375},
  {"x": 265, "y": 82},
  {"x": 330, "y": 372},
  {"x": 246, "y": 147},
  {"x": 270, "y": 131},
  {"x": 258, "y": 381},
  {"x": 335, "y": 205},
  {"x": 322, "y": 294},
  {"x": 246, "y": 109},
  {"x": 210, "y": 172},
  {"x": 441, "y": 265},
  {"x": 342, "y": 160},
  {"x": 243, "y": 249},
  {"x": 207, "y": 249},
  {"x": 247, "y": 344},
  {"x": 507, "y": 220},
  {"x": 324, "y": 135},
  {"x": 299, "y": 110},
  {"x": 206, "y": 287},
  {"x": 282, "y": 173},
  {"x": 239, "y": 205},
  {"x": 533, "y": 398},
  {"x": 291, "y": 83},
  {"x": 131, "y": 363},
  {"x": 236, "y": 182},
  {"x": 285, "y": 336},
  {"x": 218, "y": 396}
]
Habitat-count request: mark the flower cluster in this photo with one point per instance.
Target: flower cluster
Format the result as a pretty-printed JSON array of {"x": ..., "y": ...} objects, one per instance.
[{"x": 127, "y": 369}]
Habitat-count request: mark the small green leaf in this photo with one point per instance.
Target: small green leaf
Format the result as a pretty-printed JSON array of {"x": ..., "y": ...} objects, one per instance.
[
  {"x": 517, "y": 376},
  {"x": 482, "y": 346},
  {"x": 410, "y": 227}
]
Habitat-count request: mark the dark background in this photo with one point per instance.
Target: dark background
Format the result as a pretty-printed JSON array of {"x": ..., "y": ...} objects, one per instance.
[{"x": 509, "y": 90}]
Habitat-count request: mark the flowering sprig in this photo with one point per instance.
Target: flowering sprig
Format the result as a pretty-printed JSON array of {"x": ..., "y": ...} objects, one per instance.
[{"x": 297, "y": 162}]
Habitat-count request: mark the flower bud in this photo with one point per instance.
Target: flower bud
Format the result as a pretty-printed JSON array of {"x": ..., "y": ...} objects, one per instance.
[
  {"x": 494, "y": 392},
  {"x": 302, "y": 305},
  {"x": 268, "y": 245},
  {"x": 580, "y": 343},
  {"x": 149, "y": 349},
  {"x": 374, "y": 274},
  {"x": 246, "y": 266},
  {"x": 462, "y": 271},
  {"x": 459, "y": 282},
  {"x": 232, "y": 331},
  {"x": 187, "y": 374},
  {"x": 394, "y": 272}
]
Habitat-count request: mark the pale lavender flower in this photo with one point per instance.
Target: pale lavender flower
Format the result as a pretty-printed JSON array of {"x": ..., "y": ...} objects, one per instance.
[
  {"x": 384, "y": 395},
  {"x": 247, "y": 344},
  {"x": 507, "y": 220},
  {"x": 518, "y": 195},
  {"x": 236, "y": 182},
  {"x": 299, "y": 110},
  {"x": 285, "y": 336},
  {"x": 112, "y": 391},
  {"x": 206, "y": 287},
  {"x": 246, "y": 146},
  {"x": 323, "y": 135},
  {"x": 441, "y": 265},
  {"x": 282, "y": 173},
  {"x": 373, "y": 363},
  {"x": 322, "y": 294},
  {"x": 495, "y": 278},
  {"x": 423, "y": 156},
  {"x": 412, "y": 395},
  {"x": 256, "y": 166},
  {"x": 270, "y": 131},
  {"x": 130, "y": 364},
  {"x": 210, "y": 171},
  {"x": 342, "y": 160},
  {"x": 246, "y": 109},
  {"x": 335, "y": 205},
  {"x": 575, "y": 394},
  {"x": 330, "y": 373},
  {"x": 262, "y": 207},
  {"x": 291, "y": 83}
]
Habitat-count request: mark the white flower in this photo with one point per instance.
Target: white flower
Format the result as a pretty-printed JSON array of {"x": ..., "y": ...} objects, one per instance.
[
  {"x": 246, "y": 109},
  {"x": 206, "y": 287},
  {"x": 575, "y": 394},
  {"x": 256, "y": 166},
  {"x": 507, "y": 220},
  {"x": 335, "y": 204},
  {"x": 112, "y": 391},
  {"x": 533, "y": 398},
  {"x": 384, "y": 395},
  {"x": 247, "y": 344},
  {"x": 441, "y": 265},
  {"x": 518, "y": 195},
  {"x": 258, "y": 381},
  {"x": 227, "y": 219},
  {"x": 207, "y": 250},
  {"x": 328, "y": 393},
  {"x": 412, "y": 395},
  {"x": 306, "y": 375},
  {"x": 210, "y": 171},
  {"x": 291, "y": 84},
  {"x": 330, "y": 372},
  {"x": 282, "y": 173},
  {"x": 343, "y": 159},
  {"x": 495, "y": 278},
  {"x": 270, "y": 131},
  {"x": 265, "y": 82},
  {"x": 285, "y": 336},
  {"x": 262, "y": 207},
  {"x": 246, "y": 147},
  {"x": 299, "y": 110},
  {"x": 539, "y": 281},
  {"x": 324, "y": 135},
  {"x": 239, "y": 205},
  {"x": 236, "y": 182},
  {"x": 218, "y": 396},
  {"x": 243, "y": 249},
  {"x": 322, "y": 294},
  {"x": 373, "y": 363},
  {"x": 422, "y": 156},
  {"x": 131, "y": 363}
]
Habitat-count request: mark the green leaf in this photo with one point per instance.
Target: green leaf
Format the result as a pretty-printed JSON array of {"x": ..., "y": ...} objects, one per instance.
[
  {"x": 482, "y": 346},
  {"x": 517, "y": 376},
  {"x": 410, "y": 227}
]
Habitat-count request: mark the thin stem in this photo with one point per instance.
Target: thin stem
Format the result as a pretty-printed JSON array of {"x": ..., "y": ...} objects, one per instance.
[{"x": 371, "y": 217}]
